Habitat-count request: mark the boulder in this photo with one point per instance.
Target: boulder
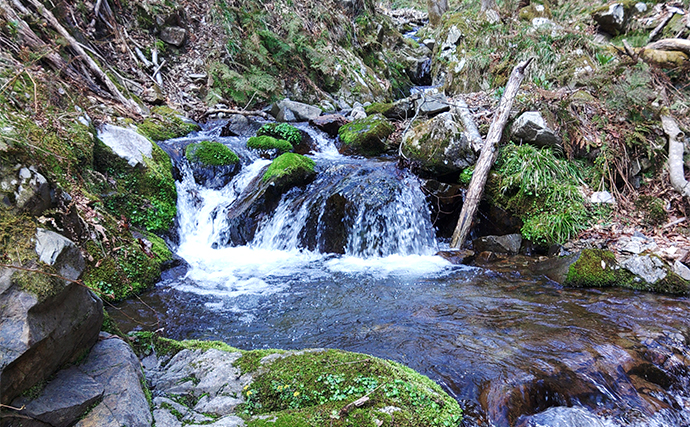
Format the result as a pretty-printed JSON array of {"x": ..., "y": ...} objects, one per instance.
[
  {"x": 292, "y": 111},
  {"x": 114, "y": 366},
  {"x": 358, "y": 112},
  {"x": 365, "y": 136},
  {"x": 64, "y": 399},
  {"x": 330, "y": 123},
  {"x": 612, "y": 18},
  {"x": 649, "y": 268},
  {"x": 175, "y": 36},
  {"x": 44, "y": 322},
  {"x": 508, "y": 244},
  {"x": 531, "y": 128},
  {"x": 24, "y": 189},
  {"x": 433, "y": 104},
  {"x": 439, "y": 146},
  {"x": 126, "y": 143},
  {"x": 239, "y": 125}
]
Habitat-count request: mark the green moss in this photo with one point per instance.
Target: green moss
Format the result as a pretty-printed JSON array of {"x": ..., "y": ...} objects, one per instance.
[
  {"x": 265, "y": 142},
  {"x": 596, "y": 268},
  {"x": 211, "y": 153},
  {"x": 312, "y": 388},
  {"x": 379, "y": 108},
  {"x": 251, "y": 360},
  {"x": 366, "y": 136},
  {"x": 144, "y": 342},
  {"x": 290, "y": 169},
  {"x": 282, "y": 131},
  {"x": 110, "y": 326},
  {"x": 653, "y": 210},
  {"x": 164, "y": 124},
  {"x": 159, "y": 248}
]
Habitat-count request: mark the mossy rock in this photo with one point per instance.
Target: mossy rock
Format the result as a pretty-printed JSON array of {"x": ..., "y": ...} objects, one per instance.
[
  {"x": 211, "y": 153},
  {"x": 318, "y": 387},
  {"x": 144, "y": 195},
  {"x": 365, "y": 136},
  {"x": 269, "y": 143},
  {"x": 165, "y": 124},
  {"x": 289, "y": 170},
  {"x": 379, "y": 108},
  {"x": 535, "y": 10},
  {"x": 282, "y": 131}
]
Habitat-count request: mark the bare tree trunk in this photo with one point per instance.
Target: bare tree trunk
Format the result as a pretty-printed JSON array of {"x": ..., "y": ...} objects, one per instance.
[
  {"x": 675, "y": 155},
  {"x": 436, "y": 9},
  {"x": 487, "y": 156}
]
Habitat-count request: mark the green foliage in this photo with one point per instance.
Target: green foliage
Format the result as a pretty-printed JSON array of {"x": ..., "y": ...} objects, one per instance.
[
  {"x": 265, "y": 143},
  {"x": 282, "y": 131},
  {"x": 466, "y": 176},
  {"x": 211, "y": 153},
  {"x": 289, "y": 165},
  {"x": 543, "y": 191},
  {"x": 164, "y": 124}
]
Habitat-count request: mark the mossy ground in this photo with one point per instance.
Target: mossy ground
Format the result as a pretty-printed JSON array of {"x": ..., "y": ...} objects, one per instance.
[
  {"x": 164, "y": 123},
  {"x": 211, "y": 153},
  {"x": 314, "y": 388}
]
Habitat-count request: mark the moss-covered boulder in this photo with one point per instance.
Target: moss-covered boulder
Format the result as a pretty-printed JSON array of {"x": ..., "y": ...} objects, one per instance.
[
  {"x": 143, "y": 190},
  {"x": 292, "y": 388},
  {"x": 600, "y": 268},
  {"x": 301, "y": 142},
  {"x": 439, "y": 146},
  {"x": 289, "y": 170},
  {"x": 613, "y": 17},
  {"x": 269, "y": 144},
  {"x": 164, "y": 123},
  {"x": 365, "y": 136},
  {"x": 214, "y": 165}
]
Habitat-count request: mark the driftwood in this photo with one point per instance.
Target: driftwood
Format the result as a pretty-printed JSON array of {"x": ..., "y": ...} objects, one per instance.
[
  {"x": 681, "y": 45},
  {"x": 487, "y": 156},
  {"x": 240, "y": 112},
  {"x": 93, "y": 67},
  {"x": 675, "y": 155}
]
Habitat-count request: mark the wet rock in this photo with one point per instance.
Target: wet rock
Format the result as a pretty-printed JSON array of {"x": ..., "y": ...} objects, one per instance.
[
  {"x": 126, "y": 143},
  {"x": 561, "y": 416},
  {"x": 649, "y": 268},
  {"x": 508, "y": 244},
  {"x": 330, "y": 123},
  {"x": 292, "y": 111},
  {"x": 215, "y": 177},
  {"x": 612, "y": 18},
  {"x": 44, "y": 325},
  {"x": 239, "y": 125},
  {"x": 24, "y": 189},
  {"x": 445, "y": 201},
  {"x": 439, "y": 146},
  {"x": 175, "y": 36},
  {"x": 457, "y": 257},
  {"x": 64, "y": 399},
  {"x": 531, "y": 128},
  {"x": 112, "y": 364},
  {"x": 365, "y": 136},
  {"x": 555, "y": 268},
  {"x": 682, "y": 270}
]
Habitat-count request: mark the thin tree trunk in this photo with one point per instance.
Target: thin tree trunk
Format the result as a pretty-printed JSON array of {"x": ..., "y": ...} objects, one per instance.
[
  {"x": 95, "y": 69},
  {"x": 487, "y": 156},
  {"x": 675, "y": 155}
]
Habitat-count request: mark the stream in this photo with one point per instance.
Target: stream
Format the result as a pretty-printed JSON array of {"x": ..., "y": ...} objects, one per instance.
[{"x": 349, "y": 262}]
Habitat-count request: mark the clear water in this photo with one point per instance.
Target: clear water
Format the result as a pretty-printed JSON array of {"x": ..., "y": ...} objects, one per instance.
[{"x": 513, "y": 347}]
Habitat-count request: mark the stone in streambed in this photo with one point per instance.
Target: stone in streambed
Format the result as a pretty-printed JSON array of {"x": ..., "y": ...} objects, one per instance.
[
  {"x": 508, "y": 244},
  {"x": 365, "y": 136},
  {"x": 330, "y": 123}
]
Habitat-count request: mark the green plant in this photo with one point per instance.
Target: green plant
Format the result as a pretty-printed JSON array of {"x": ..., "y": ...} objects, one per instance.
[
  {"x": 211, "y": 153},
  {"x": 282, "y": 131}
]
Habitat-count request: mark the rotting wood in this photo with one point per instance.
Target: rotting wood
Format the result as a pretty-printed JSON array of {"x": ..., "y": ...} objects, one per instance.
[
  {"x": 93, "y": 67},
  {"x": 675, "y": 155},
  {"x": 487, "y": 156}
]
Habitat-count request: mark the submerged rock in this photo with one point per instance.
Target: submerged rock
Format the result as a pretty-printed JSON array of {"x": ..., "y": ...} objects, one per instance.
[
  {"x": 439, "y": 146},
  {"x": 365, "y": 136}
]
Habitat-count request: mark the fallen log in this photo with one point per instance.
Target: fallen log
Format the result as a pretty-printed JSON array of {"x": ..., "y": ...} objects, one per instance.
[
  {"x": 675, "y": 155},
  {"x": 487, "y": 157},
  {"x": 681, "y": 45}
]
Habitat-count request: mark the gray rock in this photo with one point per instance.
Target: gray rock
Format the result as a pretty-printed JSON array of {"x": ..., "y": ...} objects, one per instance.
[
  {"x": 24, "y": 189},
  {"x": 640, "y": 8},
  {"x": 682, "y": 270},
  {"x": 165, "y": 418},
  {"x": 531, "y": 128},
  {"x": 430, "y": 43},
  {"x": 612, "y": 20},
  {"x": 647, "y": 267},
  {"x": 219, "y": 405},
  {"x": 357, "y": 113},
  {"x": 291, "y": 111},
  {"x": 113, "y": 364},
  {"x": 126, "y": 143},
  {"x": 64, "y": 399},
  {"x": 40, "y": 333},
  {"x": 55, "y": 249},
  {"x": 432, "y": 105},
  {"x": 636, "y": 244},
  {"x": 175, "y": 36},
  {"x": 508, "y": 244},
  {"x": 602, "y": 197},
  {"x": 100, "y": 416}
]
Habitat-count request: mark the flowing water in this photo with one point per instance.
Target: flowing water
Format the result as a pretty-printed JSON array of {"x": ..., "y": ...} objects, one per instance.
[{"x": 349, "y": 262}]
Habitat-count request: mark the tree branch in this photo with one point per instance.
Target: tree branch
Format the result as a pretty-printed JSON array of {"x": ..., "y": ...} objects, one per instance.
[{"x": 675, "y": 155}]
